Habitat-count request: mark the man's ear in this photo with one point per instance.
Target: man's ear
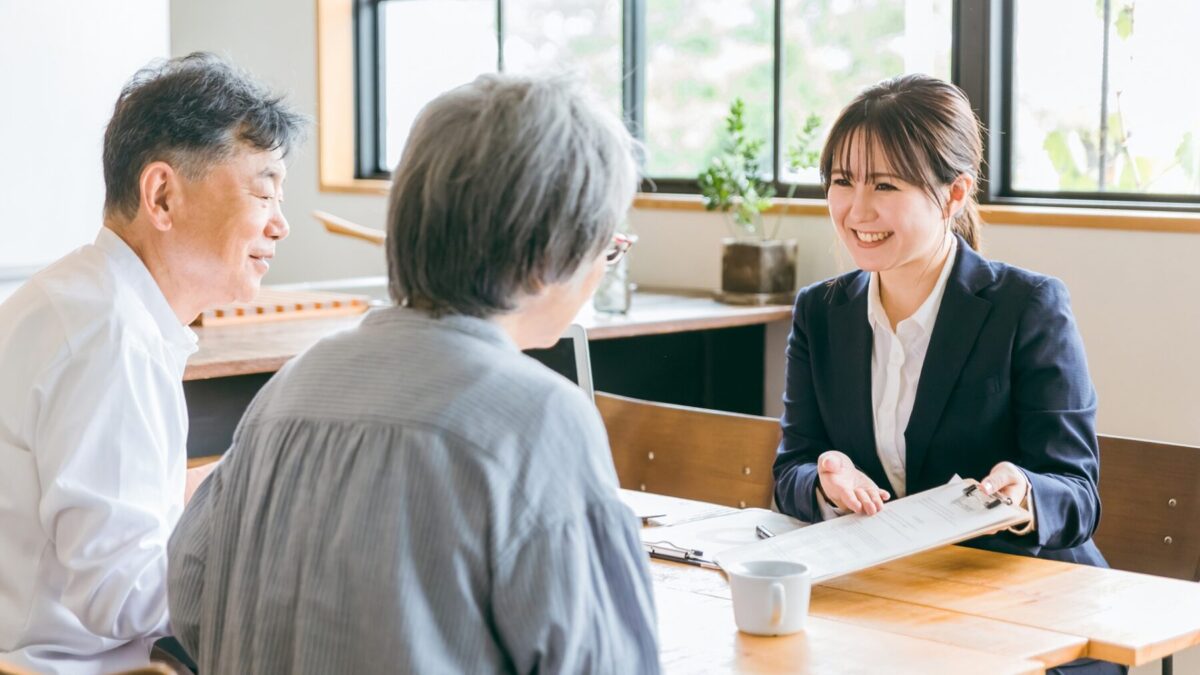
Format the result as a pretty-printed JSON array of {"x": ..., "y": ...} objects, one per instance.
[
  {"x": 159, "y": 192},
  {"x": 960, "y": 193}
]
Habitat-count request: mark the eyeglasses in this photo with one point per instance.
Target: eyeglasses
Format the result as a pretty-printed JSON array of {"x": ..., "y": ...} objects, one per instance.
[{"x": 620, "y": 245}]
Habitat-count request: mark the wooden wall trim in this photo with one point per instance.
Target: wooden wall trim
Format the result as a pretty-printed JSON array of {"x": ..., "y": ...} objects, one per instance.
[
  {"x": 335, "y": 95},
  {"x": 1106, "y": 219}
]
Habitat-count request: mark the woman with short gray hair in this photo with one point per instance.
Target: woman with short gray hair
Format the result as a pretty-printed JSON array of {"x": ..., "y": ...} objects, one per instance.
[{"x": 416, "y": 495}]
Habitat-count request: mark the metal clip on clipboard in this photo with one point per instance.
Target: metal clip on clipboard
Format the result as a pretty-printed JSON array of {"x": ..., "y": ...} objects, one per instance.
[
  {"x": 996, "y": 500},
  {"x": 665, "y": 550}
]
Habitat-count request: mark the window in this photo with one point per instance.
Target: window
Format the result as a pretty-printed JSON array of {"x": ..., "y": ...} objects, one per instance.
[
  {"x": 398, "y": 74},
  {"x": 463, "y": 35},
  {"x": 586, "y": 34},
  {"x": 1069, "y": 90},
  {"x": 699, "y": 55},
  {"x": 833, "y": 50},
  {"x": 1092, "y": 113}
]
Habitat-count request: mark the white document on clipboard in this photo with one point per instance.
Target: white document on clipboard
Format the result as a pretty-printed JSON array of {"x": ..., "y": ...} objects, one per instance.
[
  {"x": 943, "y": 515},
  {"x": 707, "y": 537},
  {"x": 661, "y": 510}
]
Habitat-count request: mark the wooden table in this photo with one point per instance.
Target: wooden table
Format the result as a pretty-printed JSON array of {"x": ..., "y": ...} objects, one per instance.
[
  {"x": 264, "y": 348},
  {"x": 1007, "y": 613}
]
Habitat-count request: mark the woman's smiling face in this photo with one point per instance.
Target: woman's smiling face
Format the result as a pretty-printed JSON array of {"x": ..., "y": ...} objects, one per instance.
[{"x": 884, "y": 222}]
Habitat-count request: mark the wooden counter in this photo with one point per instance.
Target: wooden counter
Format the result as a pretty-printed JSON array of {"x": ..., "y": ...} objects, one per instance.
[{"x": 264, "y": 348}]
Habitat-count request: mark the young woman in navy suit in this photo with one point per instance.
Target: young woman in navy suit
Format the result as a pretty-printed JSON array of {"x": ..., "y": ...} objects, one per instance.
[{"x": 930, "y": 360}]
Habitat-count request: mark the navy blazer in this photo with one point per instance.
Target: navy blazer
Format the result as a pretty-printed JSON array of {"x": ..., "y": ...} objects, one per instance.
[{"x": 1004, "y": 378}]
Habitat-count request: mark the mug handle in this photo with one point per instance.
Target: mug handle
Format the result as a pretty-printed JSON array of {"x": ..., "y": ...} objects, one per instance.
[{"x": 777, "y": 605}]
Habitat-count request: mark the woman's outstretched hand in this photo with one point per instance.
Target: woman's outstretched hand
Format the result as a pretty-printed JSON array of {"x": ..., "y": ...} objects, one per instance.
[{"x": 846, "y": 486}]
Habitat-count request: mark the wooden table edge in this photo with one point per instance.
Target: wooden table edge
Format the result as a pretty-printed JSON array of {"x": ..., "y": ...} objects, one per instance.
[{"x": 1105, "y": 650}]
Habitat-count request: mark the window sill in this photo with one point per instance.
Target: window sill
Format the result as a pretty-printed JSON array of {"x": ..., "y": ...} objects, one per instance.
[
  {"x": 997, "y": 214},
  {"x": 356, "y": 186}
]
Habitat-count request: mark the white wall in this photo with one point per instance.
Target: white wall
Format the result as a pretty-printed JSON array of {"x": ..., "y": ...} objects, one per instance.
[
  {"x": 1135, "y": 294},
  {"x": 62, "y": 65}
]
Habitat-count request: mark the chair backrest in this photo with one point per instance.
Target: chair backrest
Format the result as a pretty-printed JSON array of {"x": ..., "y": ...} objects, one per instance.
[
  {"x": 718, "y": 457},
  {"x": 1150, "y": 496}
]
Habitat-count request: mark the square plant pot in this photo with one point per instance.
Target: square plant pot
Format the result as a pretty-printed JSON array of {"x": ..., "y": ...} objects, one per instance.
[{"x": 757, "y": 272}]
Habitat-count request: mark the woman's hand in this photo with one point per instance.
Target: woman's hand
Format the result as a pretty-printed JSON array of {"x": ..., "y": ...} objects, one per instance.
[
  {"x": 1007, "y": 480},
  {"x": 846, "y": 486}
]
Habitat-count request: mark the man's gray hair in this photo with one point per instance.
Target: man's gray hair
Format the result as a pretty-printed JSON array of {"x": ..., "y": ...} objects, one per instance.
[
  {"x": 506, "y": 184},
  {"x": 191, "y": 112}
]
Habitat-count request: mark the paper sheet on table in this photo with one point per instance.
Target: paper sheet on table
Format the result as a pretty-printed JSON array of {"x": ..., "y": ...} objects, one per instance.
[
  {"x": 670, "y": 510},
  {"x": 937, "y": 517},
  {"x": 720, "y": 533}
]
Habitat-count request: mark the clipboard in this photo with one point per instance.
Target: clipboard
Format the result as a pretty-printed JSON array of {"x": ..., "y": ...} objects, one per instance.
[
  {"x": 698, "y": 541},
  {"x": 944, "y": 515}
]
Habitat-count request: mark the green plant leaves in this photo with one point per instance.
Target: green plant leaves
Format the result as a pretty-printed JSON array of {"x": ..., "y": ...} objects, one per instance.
[
  {"x": 733, "y": 179},
  {"x": 800, "y": 153}
]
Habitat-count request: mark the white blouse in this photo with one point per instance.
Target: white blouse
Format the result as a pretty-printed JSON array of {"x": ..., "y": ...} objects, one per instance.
[{"x": 896, "y": 361}]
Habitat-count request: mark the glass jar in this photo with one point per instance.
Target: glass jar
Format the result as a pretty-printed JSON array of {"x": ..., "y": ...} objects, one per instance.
[{"x": 615, "y": 293}]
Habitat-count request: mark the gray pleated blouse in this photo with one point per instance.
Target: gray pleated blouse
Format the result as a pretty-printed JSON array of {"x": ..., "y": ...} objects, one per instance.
[{"x": 416, "y": 496}]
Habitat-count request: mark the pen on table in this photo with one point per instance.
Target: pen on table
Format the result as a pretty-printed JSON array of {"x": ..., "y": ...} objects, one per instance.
[
  {"x": 762, "y": 532},
  {"x": 686, "y": 560}
]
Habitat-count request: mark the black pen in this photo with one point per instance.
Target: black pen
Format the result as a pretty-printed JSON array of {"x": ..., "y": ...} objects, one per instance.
[{"x": 685, "y": 559}]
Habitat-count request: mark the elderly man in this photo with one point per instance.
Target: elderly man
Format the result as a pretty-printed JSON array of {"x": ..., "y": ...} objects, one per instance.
[
  {"x": 416, "y": 495},
  {"x": 92, "y": 350}
]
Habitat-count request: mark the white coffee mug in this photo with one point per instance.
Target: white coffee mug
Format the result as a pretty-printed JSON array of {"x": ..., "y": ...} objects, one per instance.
[{"x": 770, "y": 597}]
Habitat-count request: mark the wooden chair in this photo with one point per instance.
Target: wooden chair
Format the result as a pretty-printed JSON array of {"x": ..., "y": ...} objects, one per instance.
[
  {"x": 1150, "y": 494},
  {"x": 718, "y": 457}
]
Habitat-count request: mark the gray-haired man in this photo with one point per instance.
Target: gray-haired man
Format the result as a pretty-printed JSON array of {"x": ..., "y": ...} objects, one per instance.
[{"x": 92, "y": 350}]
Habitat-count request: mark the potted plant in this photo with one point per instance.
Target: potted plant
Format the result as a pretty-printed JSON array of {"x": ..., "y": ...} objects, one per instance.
[{"x": 756, "y": 268}]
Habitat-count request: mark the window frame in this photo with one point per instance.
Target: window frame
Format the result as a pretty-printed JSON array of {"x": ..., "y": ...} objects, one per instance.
[{"x": 982, "y": 40}]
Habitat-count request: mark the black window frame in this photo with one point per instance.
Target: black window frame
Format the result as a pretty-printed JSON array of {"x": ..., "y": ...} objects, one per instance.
[{"x": 982, "y": 39}]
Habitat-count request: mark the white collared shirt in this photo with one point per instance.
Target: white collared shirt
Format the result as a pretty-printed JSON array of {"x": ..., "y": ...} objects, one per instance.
[
  {"x": 93, "y": 430},
  {"x": 896, "y": 361}
]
